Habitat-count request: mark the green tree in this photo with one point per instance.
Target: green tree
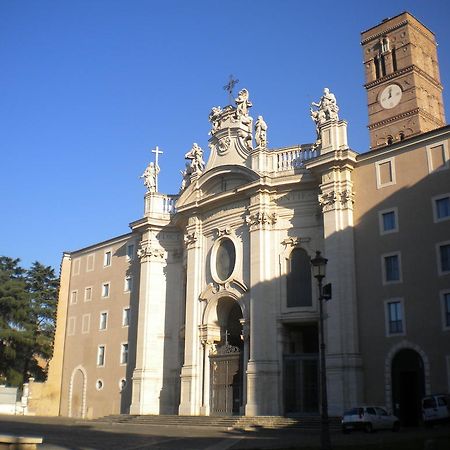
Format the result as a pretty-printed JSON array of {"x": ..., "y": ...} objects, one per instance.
[{"x": 27, "y": 309}]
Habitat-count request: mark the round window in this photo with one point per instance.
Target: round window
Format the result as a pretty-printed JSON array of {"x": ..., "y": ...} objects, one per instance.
[
  {"x": 99, "y": 385},
  {"x": 225, "y": 259}
]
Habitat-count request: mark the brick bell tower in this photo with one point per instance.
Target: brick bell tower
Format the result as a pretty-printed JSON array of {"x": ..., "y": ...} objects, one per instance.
[{"x": 402, "y": 80}]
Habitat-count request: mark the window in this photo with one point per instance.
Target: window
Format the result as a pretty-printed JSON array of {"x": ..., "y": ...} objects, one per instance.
[
  {"x": 388, "y": 221},
  {"x": 126, "y": 317},
  {"x": 90, "y": 263},
  {"x": 130, "y": 252},
  {"x": 444, "y": 258},
  {"x": 391, "y": 268},
  {"x": 103, "y": 320},
  {"x": 88, "y": 294},
  {"x": 441, "y": 207},
  {"x": 299, "y": 279},
  {"x": 85, "y": 323},
  {"x": 385, "y": 173},
  {"x": 437, "y": 155},
  {"x": 105, "y": 290},
  {"x": 124, "y": 353},
  {"x": 107, "y": 259},
  {"x": 76, "y": 267},
  {"x": 71, "y": 326},
  {"x": 394, "y": 310},
  {"x": 445, "y": 296},
  {"x": 73, "y": 297},
  {"x": 101, "y": 355},
  {"x": 128, "y": 286}
]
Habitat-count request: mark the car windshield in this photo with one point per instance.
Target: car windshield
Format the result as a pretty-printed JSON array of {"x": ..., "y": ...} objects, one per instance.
[{"x": 353, "y": 412}]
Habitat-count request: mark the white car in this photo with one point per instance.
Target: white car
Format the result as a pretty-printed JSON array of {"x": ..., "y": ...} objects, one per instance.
[
  {"x": 435, "y": 408},
  {"x": 369, "y": 418}
]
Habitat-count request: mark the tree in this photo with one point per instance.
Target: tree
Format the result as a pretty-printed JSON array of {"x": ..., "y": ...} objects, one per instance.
[{"x": 27, "y": 309}]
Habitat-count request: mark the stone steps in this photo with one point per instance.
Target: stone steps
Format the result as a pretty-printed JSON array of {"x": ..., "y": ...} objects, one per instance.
[{"x": 311, "y": 422}]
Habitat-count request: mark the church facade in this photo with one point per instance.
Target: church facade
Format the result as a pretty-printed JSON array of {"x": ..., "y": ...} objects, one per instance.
[{"x": 208, "y": 305}]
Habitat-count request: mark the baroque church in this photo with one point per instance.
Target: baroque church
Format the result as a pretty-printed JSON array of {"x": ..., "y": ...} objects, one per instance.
[{"x": 208, "y": 306}]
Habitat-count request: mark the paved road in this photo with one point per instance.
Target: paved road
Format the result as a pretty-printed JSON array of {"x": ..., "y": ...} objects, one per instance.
[{"x": 68, "y": 434}]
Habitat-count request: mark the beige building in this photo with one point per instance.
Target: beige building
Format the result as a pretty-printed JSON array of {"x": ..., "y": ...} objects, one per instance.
[{"x": 208, "y": 306}]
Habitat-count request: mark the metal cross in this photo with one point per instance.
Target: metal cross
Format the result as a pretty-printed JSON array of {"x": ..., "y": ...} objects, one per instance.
[
  {"x": 157, "y": 152},
  {"x": 230, "y": 86}
]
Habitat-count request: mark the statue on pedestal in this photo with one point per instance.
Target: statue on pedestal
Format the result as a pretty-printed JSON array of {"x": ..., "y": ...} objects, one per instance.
[
  {"x": 150, "y": 177},
  {"x": 242, "y": 103},
  {"x": 195, "y": 154},
  {"x": 260, "y": 132},
  {"x": 327, "y": 108}
]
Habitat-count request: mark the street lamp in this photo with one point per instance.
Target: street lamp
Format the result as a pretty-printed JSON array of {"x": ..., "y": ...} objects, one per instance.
[{"x": 319, "y": 265}]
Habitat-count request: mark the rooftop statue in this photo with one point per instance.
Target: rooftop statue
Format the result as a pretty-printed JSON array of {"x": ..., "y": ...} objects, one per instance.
[
  {"x": 327, "y": 108},
  {"x": 243, "y": 103},
  {"x": 150, "y": 174},
  {"x": 214, "y": 118},
  {"x": 260, "y": 132},
  {"x": 195, "y": 154}
]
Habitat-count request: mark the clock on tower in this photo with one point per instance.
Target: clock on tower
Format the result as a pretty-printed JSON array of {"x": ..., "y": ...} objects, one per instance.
[{"x": 402, "y": 80}]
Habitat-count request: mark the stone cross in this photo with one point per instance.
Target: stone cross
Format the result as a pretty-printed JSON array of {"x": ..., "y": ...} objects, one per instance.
[
  {"x": 157, "y": 152},
  {"x": 230, "y": 86}
]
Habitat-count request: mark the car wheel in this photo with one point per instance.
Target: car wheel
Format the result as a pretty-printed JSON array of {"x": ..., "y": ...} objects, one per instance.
[
  {"x": 396, "y": 426},
  {"x": 368, "y": 427}
]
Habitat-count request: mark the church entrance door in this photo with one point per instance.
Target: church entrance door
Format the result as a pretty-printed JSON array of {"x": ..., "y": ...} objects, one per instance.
[
  {"x": 301, "y": 370},
  {"x": 226, "y": 362}
]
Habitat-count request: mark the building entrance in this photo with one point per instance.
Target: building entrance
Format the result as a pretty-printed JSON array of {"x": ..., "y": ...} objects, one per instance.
[
  {"x": 226, "y": 362},
  {"x": 301, "y": 369},
  {"x": 408, "y": 386}
]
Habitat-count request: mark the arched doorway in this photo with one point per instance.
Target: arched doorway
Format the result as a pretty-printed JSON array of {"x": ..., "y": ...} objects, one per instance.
[
  {"x": 226, "y": 361},
  {"x": 408, "y": 386},
  {"x": 77, "y": 405}
]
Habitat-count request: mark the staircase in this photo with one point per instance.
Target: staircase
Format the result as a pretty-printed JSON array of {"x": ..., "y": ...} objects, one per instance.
[{"x": 309, "y": 423}]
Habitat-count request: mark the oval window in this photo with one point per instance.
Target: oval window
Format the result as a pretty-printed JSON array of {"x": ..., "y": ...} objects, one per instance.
[{"x": 225, "y": 259}]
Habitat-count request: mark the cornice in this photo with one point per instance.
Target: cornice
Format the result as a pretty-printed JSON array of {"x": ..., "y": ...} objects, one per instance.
[{"x": 419, "y": 111}]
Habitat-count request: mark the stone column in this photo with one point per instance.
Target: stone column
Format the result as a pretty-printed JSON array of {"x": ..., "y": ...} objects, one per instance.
[
  {"x": 343, "y": 359},
  {"x": 191, "y": 372},
  {"x": 148, "y": 373},
  {"x": 262, "y": 367}
]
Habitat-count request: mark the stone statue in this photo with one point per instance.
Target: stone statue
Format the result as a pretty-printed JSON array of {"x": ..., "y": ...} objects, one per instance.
[
  {"x": 260, "y": 132},
  {"x": 214, "y": 118},
  {"x": 242, "y": 103},
  {"x": 327, "y": 108},
  {"x": 149, "y": 176},
  {"x": 186, "y": 174},
  {"x": 196, "y": 157}
]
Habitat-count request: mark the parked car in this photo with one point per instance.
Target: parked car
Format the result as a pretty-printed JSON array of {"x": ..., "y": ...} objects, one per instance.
[
  {"x": 369, "y": 418},
  {"x": 435, "y": 408}
]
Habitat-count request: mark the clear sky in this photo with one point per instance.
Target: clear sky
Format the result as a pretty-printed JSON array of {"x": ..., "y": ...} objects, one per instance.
[{"x": 89, "y": 87}]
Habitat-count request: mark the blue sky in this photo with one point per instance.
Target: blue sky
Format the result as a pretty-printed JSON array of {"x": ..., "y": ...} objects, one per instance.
[{"x": 88, "y": 88}]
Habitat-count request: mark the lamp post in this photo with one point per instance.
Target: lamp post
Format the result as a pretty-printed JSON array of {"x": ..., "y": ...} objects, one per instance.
[{"x": 319, "y": 264}]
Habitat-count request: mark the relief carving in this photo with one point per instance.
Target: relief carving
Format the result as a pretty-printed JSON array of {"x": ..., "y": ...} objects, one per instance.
[
  {"x": 261, "y": 219},
  {"x": 148, "y": 251}
]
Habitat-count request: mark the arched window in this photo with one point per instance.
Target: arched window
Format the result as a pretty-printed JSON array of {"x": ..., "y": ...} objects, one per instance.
[{"x": 299, "y": 279}]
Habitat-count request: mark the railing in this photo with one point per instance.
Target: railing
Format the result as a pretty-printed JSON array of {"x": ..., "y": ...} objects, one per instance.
[
  {"x": 289, "y": 158},
  {"x": 160, "y": 203}
]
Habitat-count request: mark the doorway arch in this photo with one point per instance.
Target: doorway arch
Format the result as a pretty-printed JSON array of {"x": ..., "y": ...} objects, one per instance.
[
  {"x": 408, "y": 385},
  {"x": 77, "y": 393}
]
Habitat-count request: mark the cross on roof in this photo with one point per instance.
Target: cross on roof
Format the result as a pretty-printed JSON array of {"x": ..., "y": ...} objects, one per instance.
[
  {"x": 157, "y": 152},
  {"x": 230, "y": 86}
]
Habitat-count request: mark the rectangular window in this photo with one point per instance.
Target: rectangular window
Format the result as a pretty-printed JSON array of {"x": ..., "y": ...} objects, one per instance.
[
  {"x": 437, "y": 157},
  {"x": 101, "y": 355},
  {"x": 73, "y": 297},
  {"x": 394, "y": 317},
  {"x": 71, "y": 326},
  {"x": 446, "y": 309},
  {"x": 103, "y": 320},
  {"x": 90, "y": 262},
  {"x": 385, "y": 172},
  {"x": 85, "y": 323},
  {"x": 128, "y": 286},
  {"x": 441, "y": 207},
  {"x": 88, "y": 294},
  {"x": 126, "y": 317},
  {"x": 105, "y": 290},
  {"x": 444, "y": 258},
  {"x": 388, "y": 221},
  {"x": 130, "y": 252},
  {"x": 391, "y": 268},
  {"x": 123, "y": 353},
  {"x": 76, "y": 267},
  {"x": 107, "y": 259}
]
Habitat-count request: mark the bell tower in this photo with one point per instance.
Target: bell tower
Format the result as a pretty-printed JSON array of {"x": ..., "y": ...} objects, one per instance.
[{"x": 402, "y": 80}]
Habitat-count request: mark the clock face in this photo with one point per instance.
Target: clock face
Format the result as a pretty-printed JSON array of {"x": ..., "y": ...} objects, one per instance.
[{"x": 390, "y": 96}]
